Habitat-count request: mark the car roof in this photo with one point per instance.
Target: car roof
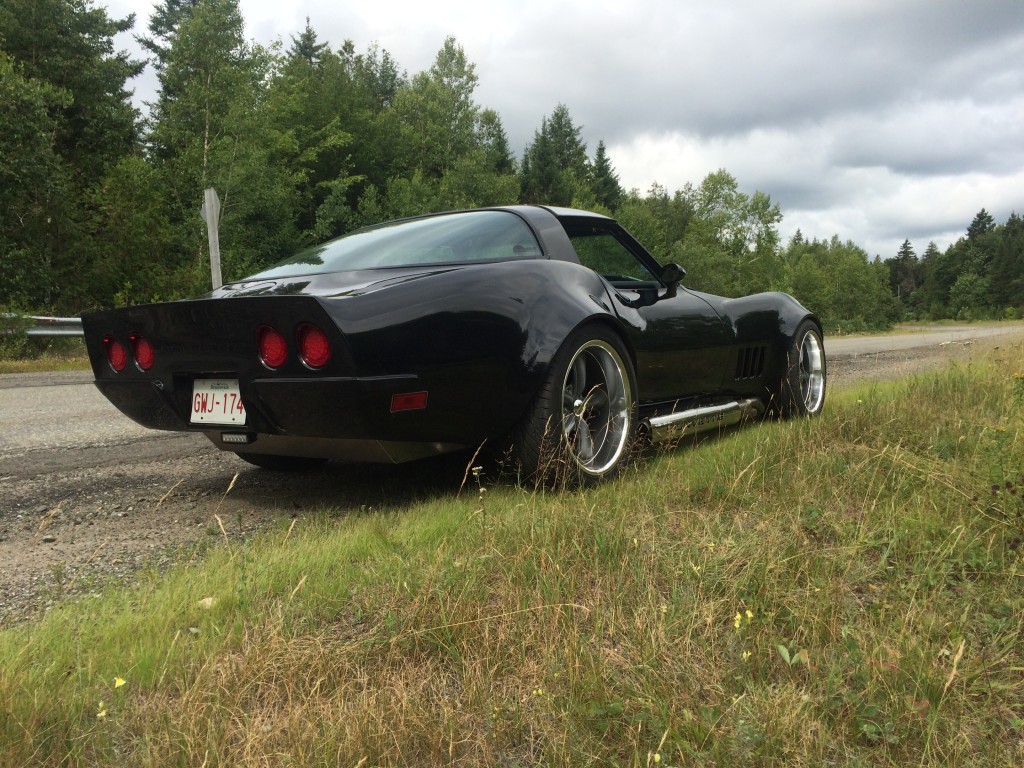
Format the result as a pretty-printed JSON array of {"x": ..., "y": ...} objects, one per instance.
[{"x": 574, "y": 212}]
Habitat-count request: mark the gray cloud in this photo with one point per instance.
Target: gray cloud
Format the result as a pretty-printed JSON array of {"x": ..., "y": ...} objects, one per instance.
[{"x": 876, "y": 119}]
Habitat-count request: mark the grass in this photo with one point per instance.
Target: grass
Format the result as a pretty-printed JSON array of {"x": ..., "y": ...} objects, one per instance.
[
  {"x": 20, "y": 354},
  {"x": 846, "y": 590}
]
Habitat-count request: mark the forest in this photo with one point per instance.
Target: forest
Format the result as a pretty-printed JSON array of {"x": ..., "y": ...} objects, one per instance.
[{"x": 99, "y": 203}]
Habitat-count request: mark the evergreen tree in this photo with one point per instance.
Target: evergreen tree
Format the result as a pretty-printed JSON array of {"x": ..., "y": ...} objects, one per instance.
[
  {"x": 163, "y": 24},
  {"x": 306, "y": 46},
  {"x": 1007, "y": 273},
  {"x": 982, "y": 224},
  {"x": 904, "y": 273},
  {"x": 59, "y": 57},
  {"x": 499, "y": 156},
  {"x": 604, "y": 182},
  {"x": 555, "y": 166}
]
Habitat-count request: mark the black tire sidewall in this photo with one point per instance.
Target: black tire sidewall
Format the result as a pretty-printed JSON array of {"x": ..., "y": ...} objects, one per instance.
[
  {"x": 790, "y": 394},
  {"x": 539, "y": 442}
]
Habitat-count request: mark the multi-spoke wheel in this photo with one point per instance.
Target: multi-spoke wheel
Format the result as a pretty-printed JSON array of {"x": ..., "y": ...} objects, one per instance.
[
  {"x": 581, "y": 425},
  {"x": 802, "y": 390}
]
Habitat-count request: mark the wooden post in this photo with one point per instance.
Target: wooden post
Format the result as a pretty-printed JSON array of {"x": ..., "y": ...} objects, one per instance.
[{"x": 211, "y": 215}]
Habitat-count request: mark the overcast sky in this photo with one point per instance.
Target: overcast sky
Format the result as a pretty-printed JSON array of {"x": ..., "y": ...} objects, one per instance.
[{"x": 876, "y": 120}]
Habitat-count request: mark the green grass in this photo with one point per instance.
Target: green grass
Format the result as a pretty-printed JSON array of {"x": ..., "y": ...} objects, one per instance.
[
  {"x": 20, "y": 354},
  {"x": 877, "y": 550}
]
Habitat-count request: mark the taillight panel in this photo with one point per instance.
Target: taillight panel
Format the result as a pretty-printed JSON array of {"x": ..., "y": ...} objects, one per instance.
[
  {"x": 273, "y": 347},
  {"x": 314, "y": 346},
  {"x": 117, "y": 355},
  {"x": 142, "y": 349}
]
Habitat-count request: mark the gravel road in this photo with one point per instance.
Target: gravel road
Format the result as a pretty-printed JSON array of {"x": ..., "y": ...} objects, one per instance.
[{"x": 87, "y": 496}]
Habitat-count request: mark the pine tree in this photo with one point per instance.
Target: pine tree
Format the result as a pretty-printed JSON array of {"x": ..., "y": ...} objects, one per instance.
[
  {"x": 604, "y": 182},
  {"x": 555, "y": 163},
  {"x": 306, "y": 47}
]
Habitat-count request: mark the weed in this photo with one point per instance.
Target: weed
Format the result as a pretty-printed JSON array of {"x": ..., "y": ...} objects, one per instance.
[{"x": 845, "y": 590}]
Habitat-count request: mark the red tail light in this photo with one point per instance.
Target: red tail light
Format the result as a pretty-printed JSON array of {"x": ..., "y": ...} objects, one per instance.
[
  {"x": 117, "y": 355},
  {"x": 273, "y": 346},
  {"x": 143, "y": 351},
  {"x": 314, "y": 346}
]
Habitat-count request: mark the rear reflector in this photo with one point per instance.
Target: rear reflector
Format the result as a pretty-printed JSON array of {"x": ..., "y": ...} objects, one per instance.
[
  {"x": 117, "y": 355},
  {"x": 236, "y": 438},
  {"x": 314, "y": 347},
  {"x": 143, "y": 351},
  {"x": 410, "y": 401},
  {"x": 273, "y": 346}
]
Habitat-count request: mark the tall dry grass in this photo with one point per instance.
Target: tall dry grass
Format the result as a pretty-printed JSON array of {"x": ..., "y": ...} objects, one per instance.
[{"x": 846, "y": 590}]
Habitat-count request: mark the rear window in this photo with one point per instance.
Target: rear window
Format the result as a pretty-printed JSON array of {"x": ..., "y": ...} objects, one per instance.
[{"x": 449, "y": 238}]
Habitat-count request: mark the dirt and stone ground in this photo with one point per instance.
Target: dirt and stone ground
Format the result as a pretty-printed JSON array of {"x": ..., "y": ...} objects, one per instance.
[{"x": 77, "y": 512}]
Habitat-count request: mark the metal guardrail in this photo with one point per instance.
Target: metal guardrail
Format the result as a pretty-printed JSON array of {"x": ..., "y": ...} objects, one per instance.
[
  {"x": 56, "y": 326},
  {"x": 43, "y": 326}
]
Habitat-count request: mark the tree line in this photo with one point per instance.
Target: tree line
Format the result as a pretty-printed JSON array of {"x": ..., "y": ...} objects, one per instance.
[{"x": 304, "y": 142}]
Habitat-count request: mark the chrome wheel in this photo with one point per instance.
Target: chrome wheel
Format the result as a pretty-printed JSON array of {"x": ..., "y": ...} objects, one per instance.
[
  {"x": 812, "y": 372},
  {"x": 597, "y": 407}
]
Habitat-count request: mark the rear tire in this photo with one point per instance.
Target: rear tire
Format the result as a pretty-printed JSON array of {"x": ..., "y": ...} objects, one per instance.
[
  {"x": 281, "y": 463},
  {"x": 802, "y": 386},
  {"x": 580, "y": 428}
]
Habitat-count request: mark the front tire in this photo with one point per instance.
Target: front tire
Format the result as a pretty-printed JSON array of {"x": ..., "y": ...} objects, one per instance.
[
  {"x": 579, "y": 429},
  {"x": 802, "y": 388}
]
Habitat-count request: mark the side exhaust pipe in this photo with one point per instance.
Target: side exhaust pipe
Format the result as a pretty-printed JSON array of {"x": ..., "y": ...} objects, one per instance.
[{"x": 673, "y": 426}]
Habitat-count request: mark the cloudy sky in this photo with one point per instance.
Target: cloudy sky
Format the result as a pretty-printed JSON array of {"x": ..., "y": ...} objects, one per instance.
[{"x": 876, "y": 120}]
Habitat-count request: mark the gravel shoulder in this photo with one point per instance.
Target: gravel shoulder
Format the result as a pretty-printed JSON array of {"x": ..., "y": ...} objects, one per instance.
[{"x": 76, "y": 515}]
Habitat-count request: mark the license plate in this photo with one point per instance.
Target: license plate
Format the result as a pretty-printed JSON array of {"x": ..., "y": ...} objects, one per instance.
[{"x": 217, "y": 401}]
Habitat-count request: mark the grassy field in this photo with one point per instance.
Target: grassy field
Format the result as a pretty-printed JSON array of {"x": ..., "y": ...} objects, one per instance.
[
  {"x": 842, "y": 591},
  {"x": 40, "y": 355}
]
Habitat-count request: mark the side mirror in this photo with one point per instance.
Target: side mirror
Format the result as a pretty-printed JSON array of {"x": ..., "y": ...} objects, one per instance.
[{"x": 672, "y": 274}]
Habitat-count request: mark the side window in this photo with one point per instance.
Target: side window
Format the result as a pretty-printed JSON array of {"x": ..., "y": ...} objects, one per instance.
[{"x": 604, "y": 254}]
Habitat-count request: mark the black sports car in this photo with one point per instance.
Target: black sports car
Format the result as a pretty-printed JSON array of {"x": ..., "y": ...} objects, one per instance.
[{"x": 547, "y": 330}]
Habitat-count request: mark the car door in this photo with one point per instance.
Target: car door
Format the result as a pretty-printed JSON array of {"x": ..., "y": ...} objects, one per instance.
[{"x": 683, "y": 347}]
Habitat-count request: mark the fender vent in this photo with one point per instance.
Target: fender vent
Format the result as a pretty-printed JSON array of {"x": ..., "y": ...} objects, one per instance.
[{"x": 750, "y": 363}]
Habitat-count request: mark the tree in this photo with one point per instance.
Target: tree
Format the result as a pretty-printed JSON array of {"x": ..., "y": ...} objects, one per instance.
[
  {"x": 836, "y": 280},
  {"x": 306, "y": 46},
  {"x": 67, "y": 118},
  {"x": 982, "y": 224},
  {"x": 905, "y": 274},
  {"x": 1007, "y": 269},
  {"x": 32, "y": 183},
  {"x": 555, "y": 166},
  {"x": 604, "y": 182},
  {"x": 498, "y": 154},
  {"x": 213, "y": 131},
  {"x": 438, "y": 113},
  {"x": 732, "y": 242}
]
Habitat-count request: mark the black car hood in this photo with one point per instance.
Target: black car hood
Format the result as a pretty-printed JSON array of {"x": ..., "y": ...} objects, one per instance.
[{"x": 331, "y": 284}]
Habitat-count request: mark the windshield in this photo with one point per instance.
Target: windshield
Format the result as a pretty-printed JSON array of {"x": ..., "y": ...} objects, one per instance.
[{"x": 454, "y": 237}]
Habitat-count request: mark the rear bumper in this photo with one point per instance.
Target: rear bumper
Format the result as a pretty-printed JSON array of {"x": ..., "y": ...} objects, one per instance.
[
  {"x": 337, "y": 449},
  {"x": 334, "y": 408}
]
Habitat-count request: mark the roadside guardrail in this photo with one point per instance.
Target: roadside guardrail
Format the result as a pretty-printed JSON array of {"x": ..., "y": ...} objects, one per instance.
[
  {"x": 55, "y": 326},
  {"x": 46, "y": 326}
]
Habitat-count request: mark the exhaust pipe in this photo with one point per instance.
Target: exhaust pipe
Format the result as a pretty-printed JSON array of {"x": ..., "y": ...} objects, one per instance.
[{"x": 674, "y": 426}]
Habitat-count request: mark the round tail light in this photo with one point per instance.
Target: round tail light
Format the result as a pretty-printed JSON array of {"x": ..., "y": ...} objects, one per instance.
[
  {"x": 314, "y": 346},
  {"x": 143, "y": 350},
  {"x": 117, "y": 355},
  {"x": 273, "y": 346}
]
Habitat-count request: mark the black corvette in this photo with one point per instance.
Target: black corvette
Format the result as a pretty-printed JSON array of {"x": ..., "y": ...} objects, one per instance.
[{"x": 550, "y": 331}]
